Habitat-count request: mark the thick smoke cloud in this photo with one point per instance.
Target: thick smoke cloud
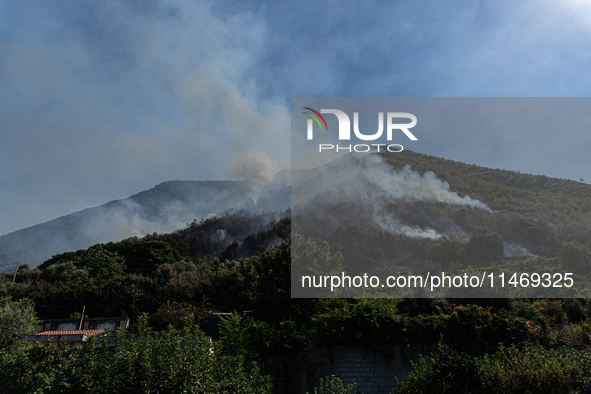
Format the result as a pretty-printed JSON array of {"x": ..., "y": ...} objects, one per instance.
[{"x": 104, "y": 99}]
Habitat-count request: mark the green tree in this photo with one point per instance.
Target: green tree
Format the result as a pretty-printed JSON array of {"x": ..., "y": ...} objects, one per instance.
[
  {"x": 17, "y": 319},
  {"x": 485, "y": 246},
  {"x": 272, "y": 287},
  {"x": 574, "y": 256},
  {"x": 145, "y": 256},
  {"x": 445, "y": 251},
  {"x": 310, "y": 257},
  {"x": 359, "y": 248},
  {"x": 102, "y": 264}
]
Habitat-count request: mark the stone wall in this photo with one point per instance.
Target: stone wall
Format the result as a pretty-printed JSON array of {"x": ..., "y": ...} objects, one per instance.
[{"x": 373, "y": 369}]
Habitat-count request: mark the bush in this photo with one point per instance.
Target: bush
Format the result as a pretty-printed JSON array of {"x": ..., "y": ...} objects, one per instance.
[
  {"x": 510, "y": 370},
  {"x": 574, "y": 257},
  {"x": 171, "y": 361},
  {"x": 334, "y": 385},
  {"x": 568, "y": 334},
  {"x": 576, "y": 309},
  {"x": 470, "y": 328},
  {"x": 535, "y": 370},
  {"x": 242, "y": 335},
  {"x": 447, "y": 371}
]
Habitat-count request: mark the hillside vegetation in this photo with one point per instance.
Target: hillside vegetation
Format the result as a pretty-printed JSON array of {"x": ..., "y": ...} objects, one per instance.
[{"x": 558, "y": 207}]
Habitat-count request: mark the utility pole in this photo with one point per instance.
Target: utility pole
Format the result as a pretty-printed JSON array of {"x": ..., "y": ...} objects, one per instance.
[
  {"x": 81, "y": 318},
  {"x": 15, "y": 271}
]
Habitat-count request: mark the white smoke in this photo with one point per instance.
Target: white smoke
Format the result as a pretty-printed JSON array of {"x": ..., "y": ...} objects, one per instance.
[
  {"x": 515, "y": 250},
  {"x": 219, "y": 235},
  {"x": 128, "y": 219},
  {"x": 258, "y": 168},
  {"x": 394, "y": 226},
  {"x": 369, "y": 182}
]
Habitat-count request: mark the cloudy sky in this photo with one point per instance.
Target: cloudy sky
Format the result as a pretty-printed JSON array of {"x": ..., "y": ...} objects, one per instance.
[{"x": 103, "y": 99}]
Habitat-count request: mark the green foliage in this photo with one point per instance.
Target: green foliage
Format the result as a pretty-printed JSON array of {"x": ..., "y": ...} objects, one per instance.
[
  {"x": 67, "y": 272},
  {"x": 359, "y": 247},
  {"x": 553, "y": 310},
  {"x": 528, "y": 208},
  {"x": 524, "y": 308},
  {"x": 77, "y": 315},
  {"x": 574, "y": 257},
  {"x": 510, "y": 370},
  {"x": 134, "y": 276},
  {"x": 242, "y": 335},
  {"x": 310, "y": 257},
  {"x": 333, "y": 385},
  {"x": 446, "y": 251},
  {"x": 568, "y": 334},
  {"x": 576, "y": 309},
  {"x": 485, "y": 246},
  {"x": 446, "y": 371},
  {"x": 534, "y": 369},
  {"x": 102, "y": 264},
  {"x": 176, "y": 313},
  {"x": 271, "y": 295},
  {"x": 37, "y": 368},
  {"x": 17, "y": 319},
  {"x": 469, "y": 328},
  {"x": 61, "y": 258},
  {"x": 171, "y": 361},
  {"x": 144, "y": 257},
  {"x": 235, "y": 330}
]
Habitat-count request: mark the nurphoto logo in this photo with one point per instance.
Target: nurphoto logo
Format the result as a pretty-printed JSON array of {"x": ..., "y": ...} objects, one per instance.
[{"x": 345, "y": 129}]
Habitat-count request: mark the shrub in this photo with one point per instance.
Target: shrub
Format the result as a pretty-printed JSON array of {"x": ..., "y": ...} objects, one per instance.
[
  {"x": 333, "y": 385},
  {"x": 568, "y": 334},
  {"x": 242, "y": 335},
  {"x": 535, "y": 370},
  {"x": 446, "y": 371},
  {"x": 171, "y": 361},
  {"x": 576, "y": 309},
  {"x": 510, "y": 370}
]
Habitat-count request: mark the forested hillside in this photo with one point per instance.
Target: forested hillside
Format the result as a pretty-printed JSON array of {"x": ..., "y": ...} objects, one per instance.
[
  {"x": 558, "y": 207},
  {"x": 198, "y": 266},
  {"x": 165, "y": 208}
]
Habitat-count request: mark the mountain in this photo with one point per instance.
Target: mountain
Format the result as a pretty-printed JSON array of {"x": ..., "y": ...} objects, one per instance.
[
  {"x": 165, "y": 208},
  {"x": 524, "y": 205},
  {"x": 405, "y": 194},
  {"x": 383, "y": 207}
]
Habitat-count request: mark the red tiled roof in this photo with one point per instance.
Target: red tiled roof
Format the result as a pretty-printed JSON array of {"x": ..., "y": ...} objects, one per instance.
[{"x": 88, "y": 333}]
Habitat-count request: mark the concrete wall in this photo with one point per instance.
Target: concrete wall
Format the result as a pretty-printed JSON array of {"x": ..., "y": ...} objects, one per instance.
[{"x": 373, "y": 369}]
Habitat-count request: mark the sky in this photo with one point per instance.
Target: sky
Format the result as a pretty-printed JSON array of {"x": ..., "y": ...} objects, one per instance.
[{"x": 102, "y": 100}]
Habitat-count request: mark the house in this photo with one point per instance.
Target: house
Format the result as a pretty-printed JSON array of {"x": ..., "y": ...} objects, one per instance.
[{"x": 77, "y": 331}]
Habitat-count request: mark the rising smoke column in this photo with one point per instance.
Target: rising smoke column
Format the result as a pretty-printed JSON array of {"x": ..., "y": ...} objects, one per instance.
[{"x": 258, "y": 169}]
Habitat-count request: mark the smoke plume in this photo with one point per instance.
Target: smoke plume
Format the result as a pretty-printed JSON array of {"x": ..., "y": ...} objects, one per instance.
[
  {"x": 368, "y": 182},
  {"x": 258, "y": 169}
]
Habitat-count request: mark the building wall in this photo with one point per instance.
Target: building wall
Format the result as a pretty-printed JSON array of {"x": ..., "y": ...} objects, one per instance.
[{"x": 373, "y": 369}]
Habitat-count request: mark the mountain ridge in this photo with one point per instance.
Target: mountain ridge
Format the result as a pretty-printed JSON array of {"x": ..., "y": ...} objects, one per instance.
[
  {"x": 163, "y": 208},
  {"x": 537, "y": 206}
]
